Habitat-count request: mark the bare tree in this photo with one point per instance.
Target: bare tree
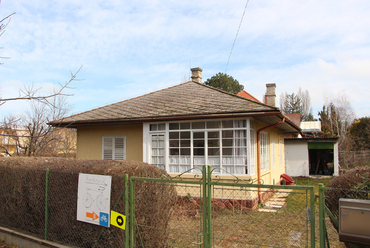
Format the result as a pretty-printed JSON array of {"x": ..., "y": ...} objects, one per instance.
[
  {"x": 43, "y": 138},
  {"x": 31, "y": 93},
  {"x": 336, "y": 118},
  {"x": 297, "y": 103},
  {"x": 3, "y": 24}
]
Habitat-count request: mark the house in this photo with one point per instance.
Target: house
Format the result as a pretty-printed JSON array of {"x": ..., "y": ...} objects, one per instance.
[{"x": 184, "y": 127}]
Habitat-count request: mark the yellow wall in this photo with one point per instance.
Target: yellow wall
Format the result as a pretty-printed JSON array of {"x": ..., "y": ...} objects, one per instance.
[
  {"x": 89, "y": 140},
  {"x": 272, "y": 175}
]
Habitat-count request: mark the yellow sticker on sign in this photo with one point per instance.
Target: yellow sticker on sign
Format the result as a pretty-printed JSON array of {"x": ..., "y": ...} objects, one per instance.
[{"x": 117, "y": 219}]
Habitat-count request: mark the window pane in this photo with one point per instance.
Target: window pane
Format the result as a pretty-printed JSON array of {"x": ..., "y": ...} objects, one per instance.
[
  {"x": 213, "y": 151},
  {"x": 153, "y": 127},
  {"x": 227, "y": 142},
  {"x": 185, "y": 125},
  {"x": 174, "y": 143},
  {"x": 154, "y": 152},
  {"x": 213, "y": 135},
  {"x": 198, "y": 125},
  {"x": 174, "y": 135},
  {"x": 199, "y": 161},
  {"x": 240, "y": 123},
  {"x": 198, "y": 143},
  {"x": 227, "y": 151},
  {"x": 185, "y": 143},
  {"x": 198, "y": 135},
  {"x": 227, "y": 134},
  {"x": 185, "y": 135},
  {"x": 161, "y": 126},
  {"x": 227, "y": 124},
  {"x": 198, "y": 151},
  {"x": 214, "y": 143},
  {"x": 154, "y": 144},
  {"x": 174, "y": 151},
  {"x": 174, "y": 126},
  {"x": 185, "y": 151},
  {"x": 213, "y": 124},
  {"x": 213, "y": 160},
  {"x": 161, "y": 144}
]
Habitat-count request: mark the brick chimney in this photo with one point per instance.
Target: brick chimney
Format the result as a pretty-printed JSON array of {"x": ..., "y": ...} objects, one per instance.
[
  {"x": 270, "y": 96},
  {"x": 196, "y": 75}
]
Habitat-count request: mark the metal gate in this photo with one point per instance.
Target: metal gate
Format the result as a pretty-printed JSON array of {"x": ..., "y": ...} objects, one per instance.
[{"x": 211, "y": 213}]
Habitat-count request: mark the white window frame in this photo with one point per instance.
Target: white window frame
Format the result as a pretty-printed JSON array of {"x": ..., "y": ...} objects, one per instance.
[
  {"x": 265, "y": 153},
  {"x": 118, "y": 153},
  {"x": 149, "y": 129},
  {"x": 157, "y": 155}
]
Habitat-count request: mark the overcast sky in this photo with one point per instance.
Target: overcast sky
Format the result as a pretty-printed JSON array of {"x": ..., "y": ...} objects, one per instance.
[{"x": 130, "y": 48}]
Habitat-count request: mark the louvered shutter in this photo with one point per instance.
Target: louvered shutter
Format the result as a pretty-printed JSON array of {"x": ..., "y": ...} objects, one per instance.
[
  {"x": 114, "y": 148},
  {"x": 108, "y": 148},
  {"x": 119, "y": 148}
]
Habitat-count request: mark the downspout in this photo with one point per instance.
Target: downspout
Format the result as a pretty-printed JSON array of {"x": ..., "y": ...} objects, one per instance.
[{"x": 259, "y": 154}]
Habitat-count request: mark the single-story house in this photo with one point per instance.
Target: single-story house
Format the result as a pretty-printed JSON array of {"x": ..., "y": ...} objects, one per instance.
[{"x": 184, "y": 127}]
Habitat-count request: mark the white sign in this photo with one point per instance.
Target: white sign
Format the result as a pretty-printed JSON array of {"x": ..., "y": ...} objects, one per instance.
[{"x": 93, "y": 200}]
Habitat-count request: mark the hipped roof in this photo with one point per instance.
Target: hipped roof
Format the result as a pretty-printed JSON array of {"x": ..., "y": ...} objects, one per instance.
[{"x": 185, "y": 101}]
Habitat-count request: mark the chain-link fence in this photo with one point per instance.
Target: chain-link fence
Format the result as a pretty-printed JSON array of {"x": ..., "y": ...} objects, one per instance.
[
  {"x": 183, "y": 227},
  {"x": 329, "y": 214},
  {"x": 283, "y": 219},
  {"x": 44, "y": 204},
  {"x": 212, "y": 214}
]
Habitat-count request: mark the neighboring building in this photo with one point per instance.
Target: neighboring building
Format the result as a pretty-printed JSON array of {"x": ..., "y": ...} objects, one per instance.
[
  {"x": 11, "y": 141},
  {"x": 186, "y": 126},
  {"x": 309, "y": 155}
]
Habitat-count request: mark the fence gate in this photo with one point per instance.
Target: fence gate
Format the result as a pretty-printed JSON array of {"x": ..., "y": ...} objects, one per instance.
[{"x": 211, "y": 213}]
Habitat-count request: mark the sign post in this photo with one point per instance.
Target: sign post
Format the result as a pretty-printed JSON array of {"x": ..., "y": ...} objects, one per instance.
[{"x": 93, "y": 200}]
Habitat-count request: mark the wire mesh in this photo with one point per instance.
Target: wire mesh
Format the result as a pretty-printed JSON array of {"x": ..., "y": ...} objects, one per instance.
[
  {"x": 331, "y": 197},
  {"x": 181, "y": 221},
  {"x": 280, "y": 221},
  {"x": 22, "y": 199}
]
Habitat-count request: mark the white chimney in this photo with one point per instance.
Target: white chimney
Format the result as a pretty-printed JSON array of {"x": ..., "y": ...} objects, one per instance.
[
  {"x": 196, "y": 75},
  {"x": 270, "y": 96}
]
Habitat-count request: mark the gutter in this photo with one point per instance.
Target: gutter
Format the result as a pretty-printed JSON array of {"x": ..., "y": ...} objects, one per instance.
[{"x": 259, "y": 154}]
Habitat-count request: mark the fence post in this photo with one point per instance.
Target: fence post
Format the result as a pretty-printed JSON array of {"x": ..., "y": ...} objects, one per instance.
[
  {"x": 127, "y": 229},
  {"x": 312, "y": 203},
  {"x": 205, "y": 233},
  {"x": 46, "y": 203},
  {"x": 132, "y": 216},
  {"x": 209, "y": 204},
  {"x": 321, "y": 215}
]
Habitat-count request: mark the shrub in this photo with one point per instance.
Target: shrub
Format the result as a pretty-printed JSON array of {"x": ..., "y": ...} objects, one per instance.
[
  {"x": 22, "y": 197},
  {"x": 354, "y": 184}
]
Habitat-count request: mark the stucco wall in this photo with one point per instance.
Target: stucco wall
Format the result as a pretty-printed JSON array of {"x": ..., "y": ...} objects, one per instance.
[
  {"x": 296, "y": 155},
  {"x": 89, "y": 140},
  {"x": 273, "y": 174}
]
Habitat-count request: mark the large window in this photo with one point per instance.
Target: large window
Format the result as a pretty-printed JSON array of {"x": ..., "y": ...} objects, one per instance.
[
  {"x": 114, "y": 147},
  {"x": 223, "y": 145}
]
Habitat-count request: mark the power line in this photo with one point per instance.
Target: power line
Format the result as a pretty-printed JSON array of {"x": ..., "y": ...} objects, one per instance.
[{"x": 237, "y": 32}]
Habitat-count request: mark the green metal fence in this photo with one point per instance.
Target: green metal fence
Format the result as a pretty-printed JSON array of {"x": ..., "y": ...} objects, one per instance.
[
  {"x": 329, "y": 213},
  {"x": 207, "y": 212},
  {"x": 210, "y": 213}
]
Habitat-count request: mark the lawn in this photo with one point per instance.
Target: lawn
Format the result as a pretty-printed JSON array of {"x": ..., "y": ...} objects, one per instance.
[{"x": 287, "y": 227}]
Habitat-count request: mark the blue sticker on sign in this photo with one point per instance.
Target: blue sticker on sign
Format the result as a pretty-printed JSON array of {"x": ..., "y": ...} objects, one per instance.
[{"x": 104, "y": 219}]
